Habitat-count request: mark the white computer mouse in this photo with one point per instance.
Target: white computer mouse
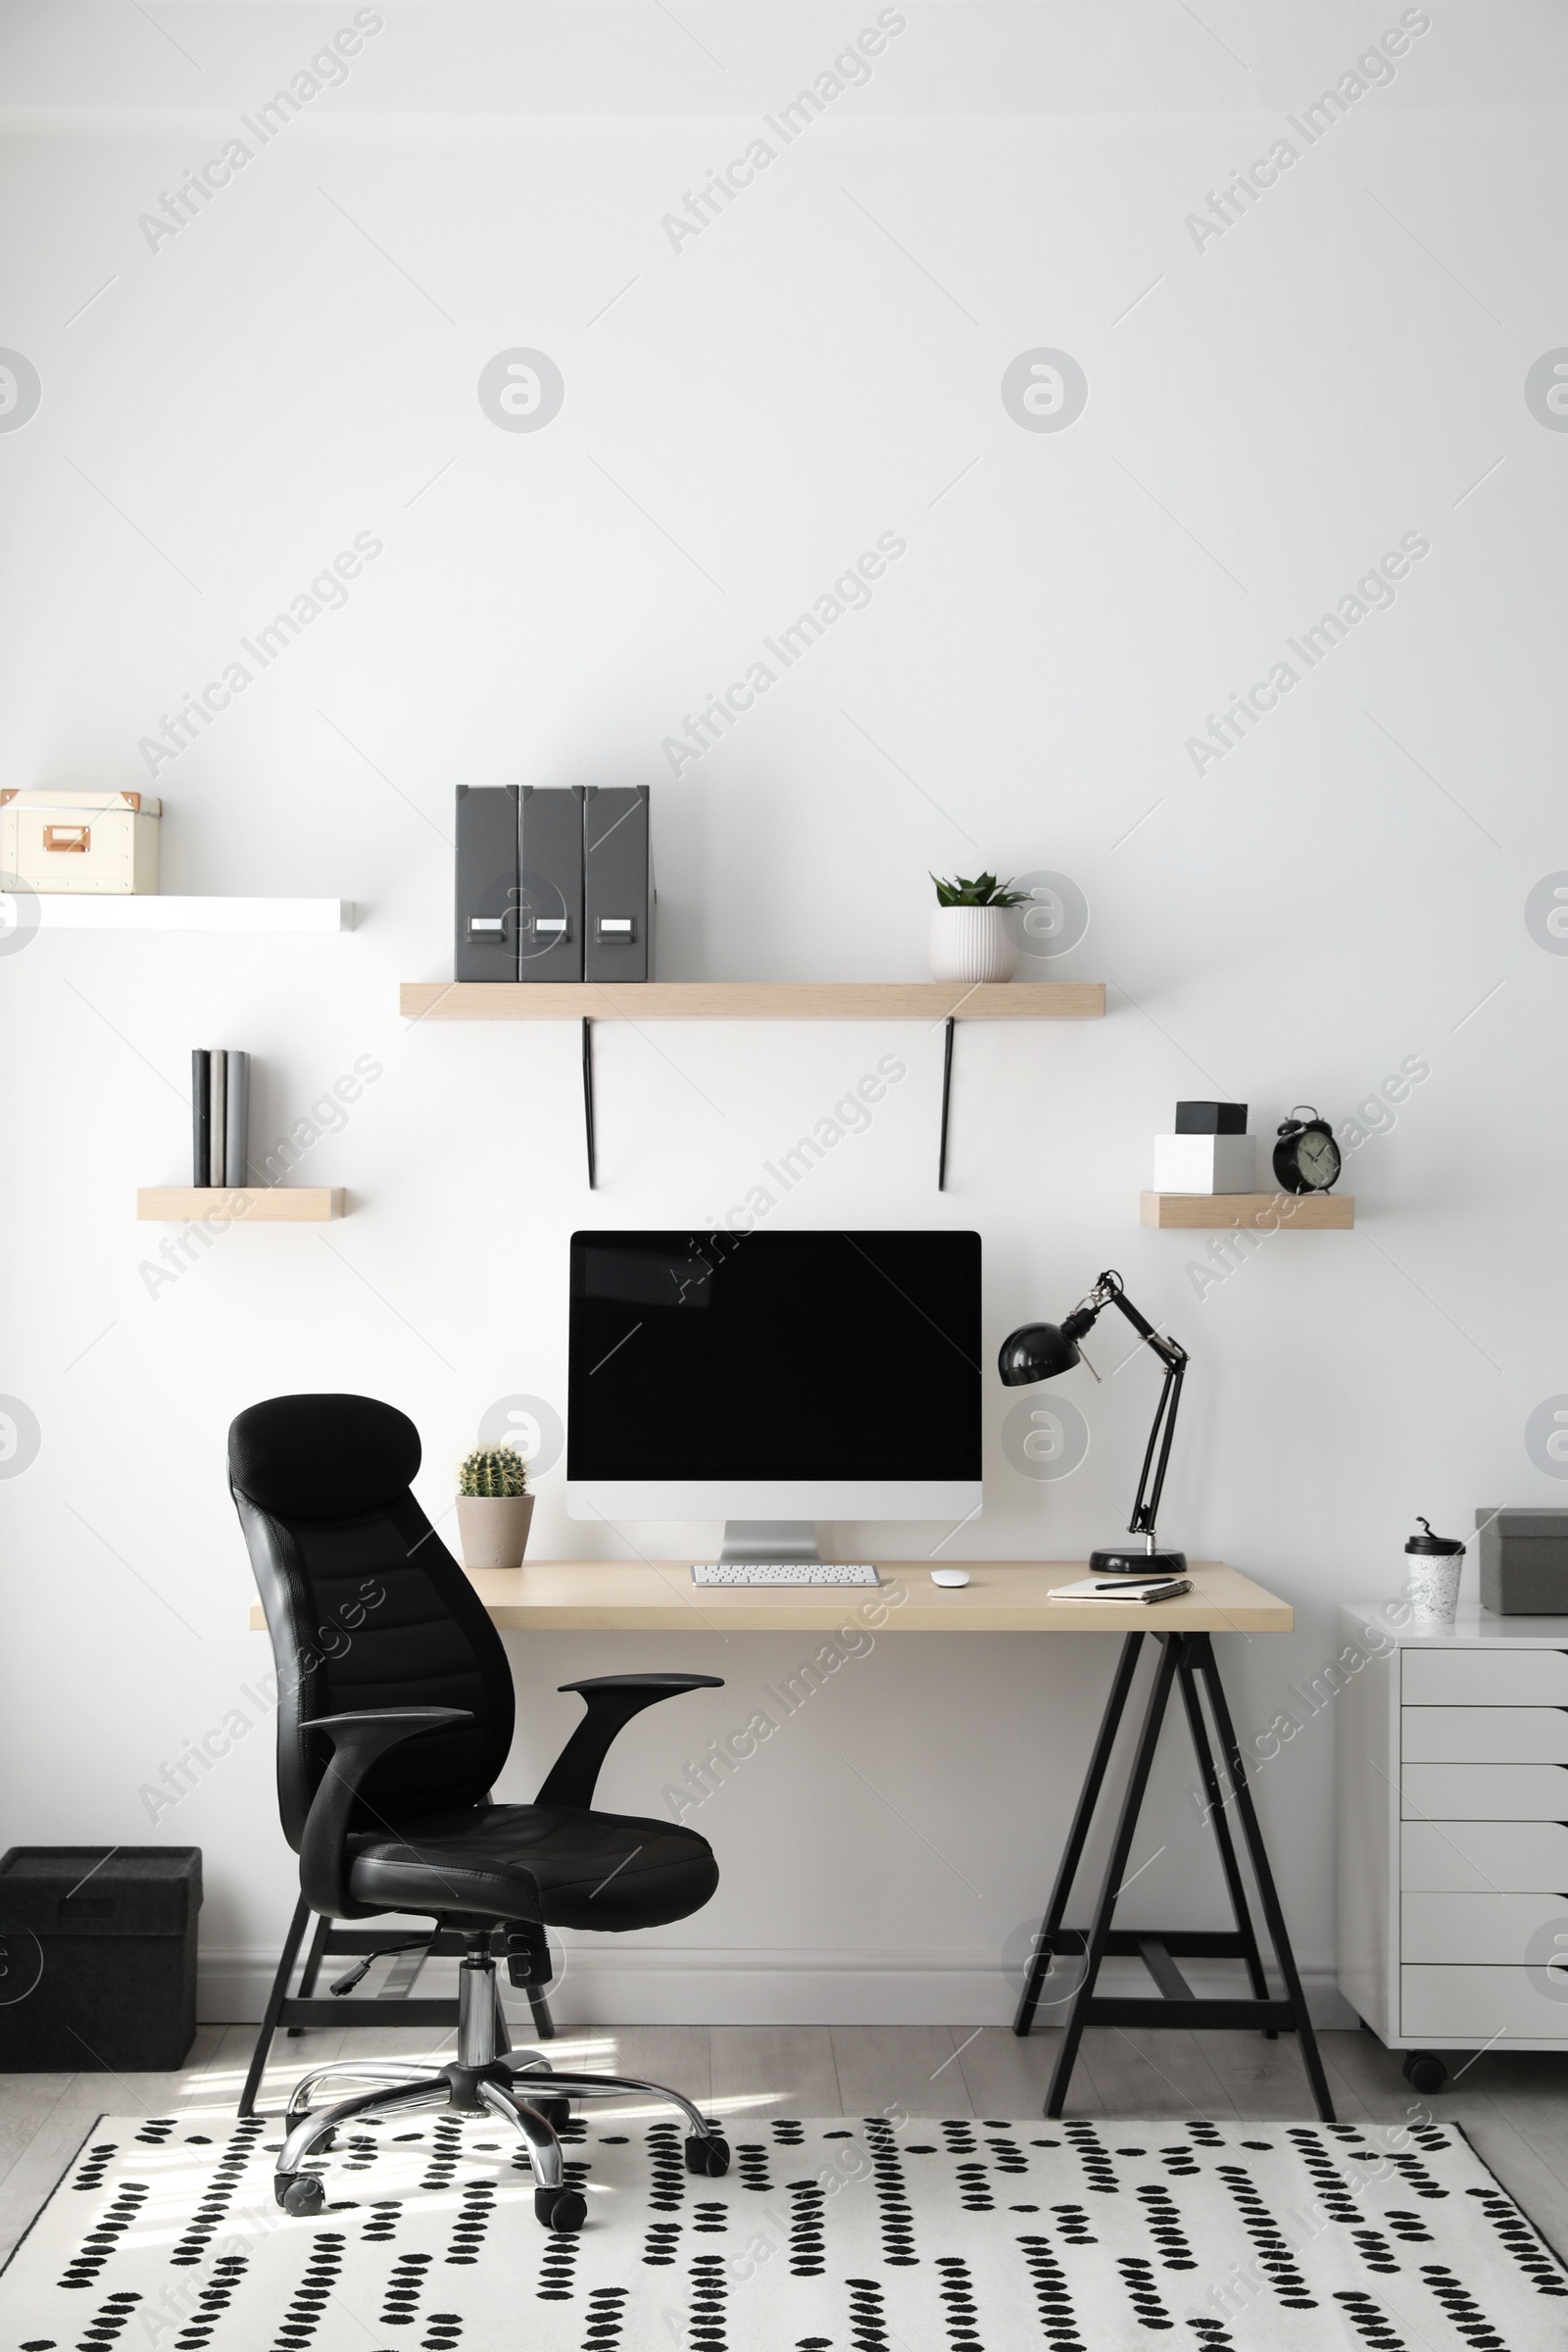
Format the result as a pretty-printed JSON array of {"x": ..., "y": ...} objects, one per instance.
[{"x": 949, "y": 1576}]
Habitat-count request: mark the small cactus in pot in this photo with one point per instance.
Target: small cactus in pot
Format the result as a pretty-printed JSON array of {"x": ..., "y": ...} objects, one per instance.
[{"x": 494, "y": 1507}]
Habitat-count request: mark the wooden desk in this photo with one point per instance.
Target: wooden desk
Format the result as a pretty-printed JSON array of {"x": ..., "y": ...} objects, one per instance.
[
  {"x": 1011, "y": 1596},
  {"x": 1002, "y": 1596}
]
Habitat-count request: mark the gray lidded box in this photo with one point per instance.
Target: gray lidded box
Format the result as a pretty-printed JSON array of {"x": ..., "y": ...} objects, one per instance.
[
  {"x": 618, "y": 890},
  {"x": 1524, "y": 1562}
]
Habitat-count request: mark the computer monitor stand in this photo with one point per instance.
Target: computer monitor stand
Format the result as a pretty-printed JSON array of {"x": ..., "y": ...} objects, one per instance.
[{"x": 792, "y": 1541}]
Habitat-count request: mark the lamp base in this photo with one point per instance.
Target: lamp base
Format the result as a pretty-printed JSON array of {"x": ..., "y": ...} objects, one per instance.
[{"x": 1123, "y": 1561}]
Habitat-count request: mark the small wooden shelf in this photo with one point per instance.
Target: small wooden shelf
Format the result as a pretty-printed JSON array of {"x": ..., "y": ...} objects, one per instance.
[
  {"x": 751, "y": 1001},
  {"x": 61, "y": 911},
  {"x": 241, "y": 1204},
  {"x": 1266, "y": 1212}
]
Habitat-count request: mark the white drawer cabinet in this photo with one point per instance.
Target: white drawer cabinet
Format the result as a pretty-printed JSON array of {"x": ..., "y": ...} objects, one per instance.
[
  {"x": 1483, "y": 1857},
  {"x": 1484, "y": 1734},
  {"x": 1484, "y": 1931},
  {"x": 1453, "y": 1829},
  {"x": 1484, "y": 1792}
]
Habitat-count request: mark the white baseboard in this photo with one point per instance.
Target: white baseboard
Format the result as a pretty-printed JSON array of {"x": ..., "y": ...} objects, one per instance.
[{"x": 671, "y": 1985}]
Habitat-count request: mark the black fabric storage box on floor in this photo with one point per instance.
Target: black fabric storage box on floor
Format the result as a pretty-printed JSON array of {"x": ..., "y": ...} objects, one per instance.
[{"x": 115, "y": 1926}]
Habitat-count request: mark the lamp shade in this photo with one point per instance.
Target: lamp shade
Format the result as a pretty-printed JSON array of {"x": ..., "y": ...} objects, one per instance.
[{"x": 1036, "y": 1351}]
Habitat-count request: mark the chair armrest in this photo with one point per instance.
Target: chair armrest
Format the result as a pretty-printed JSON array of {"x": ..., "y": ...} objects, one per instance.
[
  {"x": 357, "y": 1741},
  {"x": 611, "y": 1701}
]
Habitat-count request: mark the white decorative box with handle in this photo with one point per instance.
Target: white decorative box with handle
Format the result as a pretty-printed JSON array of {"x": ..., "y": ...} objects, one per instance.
[{"x": 96, "y": 843}]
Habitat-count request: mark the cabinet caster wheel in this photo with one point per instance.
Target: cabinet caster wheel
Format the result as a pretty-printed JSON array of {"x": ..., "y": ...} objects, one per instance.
[
  {"x": 560, "y": 2209},
  {"x": 709, "y": 2157},
  {"x": 299, "y": 2192},
  {"x": 1424, "y": 2072}
]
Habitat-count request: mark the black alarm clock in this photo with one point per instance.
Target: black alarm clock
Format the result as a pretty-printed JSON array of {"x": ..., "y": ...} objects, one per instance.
[{"x": 1307, "y": 1158}]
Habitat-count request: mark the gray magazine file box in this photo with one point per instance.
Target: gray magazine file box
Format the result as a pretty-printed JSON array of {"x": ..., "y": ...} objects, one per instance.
[
  {"x": 550, "y": 882},
  {"x": 617, "y": 886},
  {"x": 485, "y": 945}
]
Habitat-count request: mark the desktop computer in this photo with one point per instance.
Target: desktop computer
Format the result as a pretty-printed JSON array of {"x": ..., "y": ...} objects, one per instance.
[{"x": 771, "y": 1379}]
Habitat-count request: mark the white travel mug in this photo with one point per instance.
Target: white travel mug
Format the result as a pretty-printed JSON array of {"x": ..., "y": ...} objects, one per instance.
[{"x": 1431, "y": 1581}]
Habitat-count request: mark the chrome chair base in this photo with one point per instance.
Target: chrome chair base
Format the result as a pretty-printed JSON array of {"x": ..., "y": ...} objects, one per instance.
[{"x": 521, "y": 2087}]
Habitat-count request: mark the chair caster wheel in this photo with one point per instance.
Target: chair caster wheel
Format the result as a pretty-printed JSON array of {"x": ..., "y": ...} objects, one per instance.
[
  {"x": 556, "y": 2112},
  {"x": 560, "y": 2209},
  {"x": 1425, "y": 2072},
  {"x": 299, "y": 2192},
  {"x": 707, "y": 2156}
]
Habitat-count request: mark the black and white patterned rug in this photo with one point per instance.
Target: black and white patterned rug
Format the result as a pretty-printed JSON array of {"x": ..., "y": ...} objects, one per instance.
[{"x": 871, "y": 2236}]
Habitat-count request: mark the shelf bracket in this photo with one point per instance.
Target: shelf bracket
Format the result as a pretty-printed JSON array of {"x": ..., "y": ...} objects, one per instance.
[
  {"x": 588, "y": 1098},
  {"x": 946, "y": 1090}
]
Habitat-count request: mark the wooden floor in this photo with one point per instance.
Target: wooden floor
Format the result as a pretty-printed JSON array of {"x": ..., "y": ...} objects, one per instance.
[{"x": 1514, "y": 2108}]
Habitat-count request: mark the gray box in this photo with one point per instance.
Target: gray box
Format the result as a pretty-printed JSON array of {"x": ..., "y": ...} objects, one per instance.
[
  {"x": 617, "y": 891},
  {"x": 550, "y": 919},
  {"x": 485, "y": 946},
  {"x": 1524, "y": 1562}
]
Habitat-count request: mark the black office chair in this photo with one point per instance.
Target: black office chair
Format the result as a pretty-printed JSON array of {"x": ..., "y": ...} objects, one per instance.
[{"x": 386, "y": 1658}]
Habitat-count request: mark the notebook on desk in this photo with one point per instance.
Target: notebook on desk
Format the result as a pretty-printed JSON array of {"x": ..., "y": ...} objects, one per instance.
[{"x": 1122, "y": 1588}]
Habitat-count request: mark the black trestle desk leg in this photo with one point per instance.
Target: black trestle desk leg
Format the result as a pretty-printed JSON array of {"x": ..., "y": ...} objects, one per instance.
[
  {"x": 544, "y": 2025},
  {"x": 1217, "y": 1821},
  {"x": 312, "y": 1969},
  {"x": 1117, "y": 1868},
  {"x": 274, "y": 2002},
  {"x": 946, "y": 1090},
  {"x": 1072, "y": 1851},
  {"x": 1273, "y": 1916},
  {"x": 588, "y": 1098}
]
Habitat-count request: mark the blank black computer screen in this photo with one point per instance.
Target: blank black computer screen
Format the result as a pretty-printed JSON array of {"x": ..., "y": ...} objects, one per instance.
[{"x": 774, "y": 1356}]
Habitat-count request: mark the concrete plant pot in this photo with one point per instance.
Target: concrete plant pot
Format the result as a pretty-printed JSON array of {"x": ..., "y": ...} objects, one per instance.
[
  {"x": 493, "y": 1529},
  {"x": 971, "y": 944}
]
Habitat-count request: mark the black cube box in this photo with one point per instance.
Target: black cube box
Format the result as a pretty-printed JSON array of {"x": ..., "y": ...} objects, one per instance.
[
  {"x": 98, "y": 1947},
  {"x": 1524, "y": 1562},
  {"x": 1211, "y": 1118}
]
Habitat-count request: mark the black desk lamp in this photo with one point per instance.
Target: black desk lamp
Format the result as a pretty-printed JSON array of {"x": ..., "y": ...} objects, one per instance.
[{"x": 1040, "y": 1350}]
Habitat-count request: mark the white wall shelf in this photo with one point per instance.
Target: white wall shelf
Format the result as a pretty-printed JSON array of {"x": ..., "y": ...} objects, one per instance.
[{"x": 61, "y": 911}]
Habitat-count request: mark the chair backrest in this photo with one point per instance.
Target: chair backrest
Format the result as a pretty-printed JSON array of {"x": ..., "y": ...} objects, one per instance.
[{"x": 364, "y": 1605}]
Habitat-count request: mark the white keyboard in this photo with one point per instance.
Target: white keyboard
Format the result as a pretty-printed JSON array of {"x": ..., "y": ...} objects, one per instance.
[{"x": 784, "y": 1572}]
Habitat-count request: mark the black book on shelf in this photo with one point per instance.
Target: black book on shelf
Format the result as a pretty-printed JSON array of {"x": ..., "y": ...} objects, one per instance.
[{"x": 201, "y": 1116}]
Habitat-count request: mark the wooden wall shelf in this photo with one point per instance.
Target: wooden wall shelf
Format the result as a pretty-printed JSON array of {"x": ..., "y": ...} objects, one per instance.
[
  {"x": 1264, "y": 1212},
  {"x": 935, "y": 1001},
  {"x": 751, "y": 1001},
  {"x": 60, "y": 910},
  {"x": 243, "y": 1204}
]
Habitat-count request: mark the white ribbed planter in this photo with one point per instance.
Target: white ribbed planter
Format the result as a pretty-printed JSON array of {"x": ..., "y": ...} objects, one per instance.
[
  {"x": 970, "y": 943},
  {"x": 493, "y": 1529}
]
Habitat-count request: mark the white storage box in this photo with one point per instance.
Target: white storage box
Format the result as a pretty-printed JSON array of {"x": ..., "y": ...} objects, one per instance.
[
  {"x": 1204, "y": 1163},
  {"x": 96, "y": 843}
]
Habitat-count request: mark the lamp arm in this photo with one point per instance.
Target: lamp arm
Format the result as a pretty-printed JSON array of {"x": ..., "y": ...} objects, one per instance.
[
  {"x": 1169, "y": 1351},
  {"x": 1142, "y": 1521}
]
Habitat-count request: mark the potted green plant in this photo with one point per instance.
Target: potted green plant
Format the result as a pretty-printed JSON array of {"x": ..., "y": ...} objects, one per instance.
[
  {"x": 494, "y": 1507},
  {"x": 969, "y": 940}
]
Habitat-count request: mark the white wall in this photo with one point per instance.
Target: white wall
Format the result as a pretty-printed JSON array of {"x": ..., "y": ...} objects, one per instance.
[{"x": 821, "y": 365}]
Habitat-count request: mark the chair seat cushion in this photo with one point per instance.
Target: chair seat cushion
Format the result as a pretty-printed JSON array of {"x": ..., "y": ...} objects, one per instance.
[{"x": 607, "y": 1871}]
